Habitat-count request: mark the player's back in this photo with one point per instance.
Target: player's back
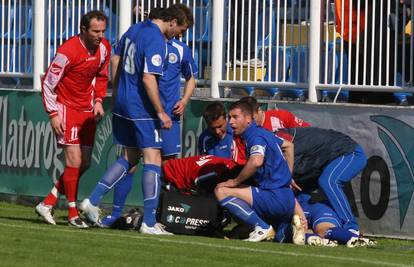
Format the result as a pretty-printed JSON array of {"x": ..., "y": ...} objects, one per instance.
[{"x": 142, "y": 50}]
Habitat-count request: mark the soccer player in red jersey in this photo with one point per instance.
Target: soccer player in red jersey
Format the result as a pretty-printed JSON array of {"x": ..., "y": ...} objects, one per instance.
[
  {"x": 274, "y": 120},
  {"x": 72, "y": 90},
  {"x": 199, "y": 172}
]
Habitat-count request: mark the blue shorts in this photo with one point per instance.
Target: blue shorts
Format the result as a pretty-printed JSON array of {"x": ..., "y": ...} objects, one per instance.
[
  {"x": 317, "y": 212},
  {"x": 136, "y": 133},
  {"x": 320, "y": 212},
  {"x": 171, "y": 140},
  {"x": 273, "y": 206}
]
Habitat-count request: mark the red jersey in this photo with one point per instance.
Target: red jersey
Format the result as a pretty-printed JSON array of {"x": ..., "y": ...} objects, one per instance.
[
  {"x": 76, "y": 78},
  {"x": 280, "y": 118},
  {"x": 185, "y": 171}
]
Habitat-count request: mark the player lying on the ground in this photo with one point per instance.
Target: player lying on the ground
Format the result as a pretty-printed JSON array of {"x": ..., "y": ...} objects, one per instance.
[{"x": 326, "y": 226}]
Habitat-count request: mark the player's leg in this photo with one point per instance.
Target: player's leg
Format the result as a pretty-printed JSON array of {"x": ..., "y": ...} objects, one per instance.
[
  {"x": 332, "y": 180},
  {"x": 124, "y": 134},
  {"x": 151, "y": 143},
  {"x": 239, "y": 202}
]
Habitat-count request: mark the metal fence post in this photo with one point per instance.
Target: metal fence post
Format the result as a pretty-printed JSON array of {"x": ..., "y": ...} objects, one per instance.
[
  {"x": 217, "y": 47},
  {"x": 314, "y": 48},
  {"x": 125, "y": 18},
  {"x": 38, "y": 42}
]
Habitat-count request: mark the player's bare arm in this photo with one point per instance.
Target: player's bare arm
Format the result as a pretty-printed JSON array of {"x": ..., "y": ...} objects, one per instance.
[
  {"x": 288, "y": 153},
  {"x": 189, "y": 87},
  {"x": 151, "y": 87},
  {"x": 299, "y": 211},
  {"x": 254, "y": 162}
]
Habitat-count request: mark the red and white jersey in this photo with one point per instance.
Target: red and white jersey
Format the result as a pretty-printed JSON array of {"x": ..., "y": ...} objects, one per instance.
[
  {"x": 183, "y": 172},
  {"x": 278, "y": 119},
  {"x": 76, "y": 78}
]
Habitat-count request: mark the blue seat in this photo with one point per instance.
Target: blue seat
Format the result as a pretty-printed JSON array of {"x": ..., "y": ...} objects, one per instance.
[
  {"x": 21, "y": 23},
  {"x": 298, "y": 73},
  {"x": 267, "y": 40},
  {"x": 328, "y": 95},
  {"x": 201, "y": 28}
]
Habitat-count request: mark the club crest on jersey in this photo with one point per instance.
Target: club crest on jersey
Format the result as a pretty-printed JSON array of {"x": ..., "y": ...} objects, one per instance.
[
  {"x": 172, "y": 58},
  {"x": 156, "y": 60}
]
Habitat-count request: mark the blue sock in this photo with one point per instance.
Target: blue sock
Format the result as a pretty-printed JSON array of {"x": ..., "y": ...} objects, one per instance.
[
  {"x": 339, "y": 234},
  {"x": 117, "y": 170},
  {"x": 151, "y": 185},
  {"x": 121, "y": 191},
  {"x": 243, "y": 211}
]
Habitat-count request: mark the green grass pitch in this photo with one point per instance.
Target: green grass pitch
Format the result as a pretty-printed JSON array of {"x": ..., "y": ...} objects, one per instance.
[{"x": 26, "y": 241}]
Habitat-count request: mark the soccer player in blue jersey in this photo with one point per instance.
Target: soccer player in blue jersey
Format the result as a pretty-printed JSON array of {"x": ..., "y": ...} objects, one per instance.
[
  {"x": 180, "y": 64},
  {"x": 326, "y": 226},
  {"x": 138, "y": 113},
  {"x": 272, "y": 201}
]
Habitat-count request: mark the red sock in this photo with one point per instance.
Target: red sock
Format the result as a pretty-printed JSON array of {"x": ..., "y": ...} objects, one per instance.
[
  {"x": 51, "y": 198},
  {"x": 70, "y": 181}
]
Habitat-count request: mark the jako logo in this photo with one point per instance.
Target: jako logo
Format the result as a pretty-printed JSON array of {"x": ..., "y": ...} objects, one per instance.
[
  {"x": 397, "y": 138},
  {"x": 183, "y": 209}
]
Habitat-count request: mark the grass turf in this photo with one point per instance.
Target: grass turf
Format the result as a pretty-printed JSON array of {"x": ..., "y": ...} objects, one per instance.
[{"x": 25, "y": 240}]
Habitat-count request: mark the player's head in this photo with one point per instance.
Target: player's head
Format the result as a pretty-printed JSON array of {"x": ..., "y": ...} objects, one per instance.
[
  {"x": 215, "y": 116},
  {"x": 92, "y": 27},
  {"x": 179, "y": 18},
  {"x": 257, "y": 111},
  {"x": 240, "y": 116}
]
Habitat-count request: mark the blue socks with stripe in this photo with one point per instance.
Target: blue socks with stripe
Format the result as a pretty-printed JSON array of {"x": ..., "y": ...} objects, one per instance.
[
  {"x": 341, "y": 235},
  {"x": 115, "y": 173},
  {"x": 243, "y": 211},
  {"x": 151, "y": 185},
  {"x": 121, "y": 191}
]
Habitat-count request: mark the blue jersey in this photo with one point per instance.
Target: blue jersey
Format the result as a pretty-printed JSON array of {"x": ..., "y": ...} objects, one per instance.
[
  {"x": 180, "y": 62},
  {"x": 209, "y": 144},
  {"x": 142, "y": 50},
  {"x": 274, "y": 173}
]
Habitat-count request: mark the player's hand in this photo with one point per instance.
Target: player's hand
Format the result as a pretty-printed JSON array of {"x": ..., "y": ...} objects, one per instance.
[
  {"x": 98, "y": 111},
  {"x": 229, "y": 183},
  {"x": 179, "y": 108},
  {"x": 304, "y": 223},
  {"x": 57, "y": 126},
  {"x": 295, "y": 187},
  {"x": 165, "y": 120}
]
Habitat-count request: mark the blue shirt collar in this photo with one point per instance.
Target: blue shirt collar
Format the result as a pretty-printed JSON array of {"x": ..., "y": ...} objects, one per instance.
[{"x": 249, "y": 130}]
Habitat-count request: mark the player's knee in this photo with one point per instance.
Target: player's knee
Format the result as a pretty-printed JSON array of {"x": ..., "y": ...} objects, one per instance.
[{"x": 221, "y": 193}]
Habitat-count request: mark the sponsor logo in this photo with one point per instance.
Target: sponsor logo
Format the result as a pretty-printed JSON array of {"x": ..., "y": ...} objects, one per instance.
[
  {"x": 172, "y": 58},
  {"x": 183, "y": 209},
  {"x": 156, "y": 60},
  {"x": 223, "y": 147},
  {"x": 90, "y": 58}
]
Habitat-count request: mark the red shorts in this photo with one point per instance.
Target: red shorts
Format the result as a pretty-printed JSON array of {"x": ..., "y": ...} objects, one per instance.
[{"x": 80, "y": 126}]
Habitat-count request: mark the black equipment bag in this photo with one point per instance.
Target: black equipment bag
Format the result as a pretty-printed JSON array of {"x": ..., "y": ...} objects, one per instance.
[{"x": 190, "y": 214}]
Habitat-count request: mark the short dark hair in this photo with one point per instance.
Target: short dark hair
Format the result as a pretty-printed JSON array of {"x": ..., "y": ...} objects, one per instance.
[
  {"x": 252, "y": 102},
  {"x": 245, "y": 107},
  {"x": 180, "y": 12},
  {"x": 156, "y": 13},
  {"x": 214, "y": 111},
  {"x": 94, "y": 14}
]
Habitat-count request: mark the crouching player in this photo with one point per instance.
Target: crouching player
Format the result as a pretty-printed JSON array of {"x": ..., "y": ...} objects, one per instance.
[{"x": 272, "y": 201}]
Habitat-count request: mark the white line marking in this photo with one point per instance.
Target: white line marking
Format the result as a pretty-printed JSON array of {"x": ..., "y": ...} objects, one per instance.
[{"x": 143, "y": 237}]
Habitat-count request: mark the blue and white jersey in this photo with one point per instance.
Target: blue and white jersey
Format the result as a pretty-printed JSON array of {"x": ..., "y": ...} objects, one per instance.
[
  {"x": 274, "y": 173},
  {"x": 209, "y": 144},
  {"x": 180, "y": 62},
  {"x": 142, "y": 50}
]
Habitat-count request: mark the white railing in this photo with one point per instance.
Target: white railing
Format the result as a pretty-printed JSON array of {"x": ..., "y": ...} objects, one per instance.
[{"x": 263, "y": 46}]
